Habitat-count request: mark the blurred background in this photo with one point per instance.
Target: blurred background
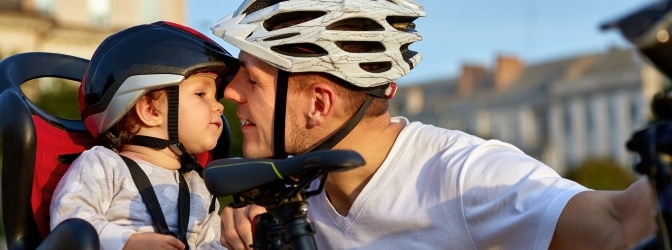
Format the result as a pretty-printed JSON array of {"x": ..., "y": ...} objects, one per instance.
[{"x": 537, "y": 74}]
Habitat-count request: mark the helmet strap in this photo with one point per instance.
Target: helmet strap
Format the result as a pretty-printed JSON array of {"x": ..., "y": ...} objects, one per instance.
[
  {"x": 280, "y": 110},
  {"x": 279, "y": 115},
  {"x": 188, "y": 162},
  {"x": 353, "y": 121},
  {"x": 347, "y": 127}
]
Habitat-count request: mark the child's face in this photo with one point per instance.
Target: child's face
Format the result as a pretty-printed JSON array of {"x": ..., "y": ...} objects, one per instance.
[{"x": 200, "y": 122}]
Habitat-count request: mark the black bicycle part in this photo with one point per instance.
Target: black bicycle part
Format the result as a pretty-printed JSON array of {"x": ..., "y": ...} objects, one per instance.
[
  {"x": 649, "y": 143},
  {"x": 648, "y": 28},
  {"x": 279, "y": 185},
  {"x": 271, "y": 231},
  {"x": 265, "y": 181}
]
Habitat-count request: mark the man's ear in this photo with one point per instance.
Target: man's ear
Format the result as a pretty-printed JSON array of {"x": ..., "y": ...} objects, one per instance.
[
  {"x": 146, "y": 108},
  {"x": 322, "y": 103}
]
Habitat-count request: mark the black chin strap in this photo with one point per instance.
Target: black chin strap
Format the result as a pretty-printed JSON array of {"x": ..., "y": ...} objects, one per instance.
[
  {"x": 352, "y": 122},
  {"x": 281, "y": 108},
  {"x": 345, "y": 130},
  {"x": 187, "y": 160},
  {"x": 347, "y": 127},
  {"x": 279, "y": 116}
]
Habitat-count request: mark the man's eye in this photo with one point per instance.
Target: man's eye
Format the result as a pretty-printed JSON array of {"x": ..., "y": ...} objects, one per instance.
[{"x": 250, "y": 81}]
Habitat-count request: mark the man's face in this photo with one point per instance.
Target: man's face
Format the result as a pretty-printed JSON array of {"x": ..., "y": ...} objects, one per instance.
[{"x": 253, "y": 90}]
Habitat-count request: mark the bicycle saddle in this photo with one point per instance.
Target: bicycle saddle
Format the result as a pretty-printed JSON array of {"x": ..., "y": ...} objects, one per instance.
[{"x": 235, "y": 175}]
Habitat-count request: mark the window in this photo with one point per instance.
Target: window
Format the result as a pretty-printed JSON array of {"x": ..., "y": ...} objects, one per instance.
[
  {"x": 45, "y": 7},
  {"x": 150, "y": 10},
  {"x": 567, "y": 118},
  {"x": 635, "y": 109},
  {"x": 99, "y": 11}
]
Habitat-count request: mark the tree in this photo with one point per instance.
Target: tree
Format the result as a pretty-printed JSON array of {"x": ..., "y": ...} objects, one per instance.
[
  {"x": 602, "y": 174},
  {"x": 234, "y": 125}
]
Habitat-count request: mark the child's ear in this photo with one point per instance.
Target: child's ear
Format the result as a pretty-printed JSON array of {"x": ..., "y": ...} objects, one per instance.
[{"x": 147, "y": 112}]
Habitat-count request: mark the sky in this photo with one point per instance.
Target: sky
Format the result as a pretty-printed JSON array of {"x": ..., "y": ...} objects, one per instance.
[{"x": 477, "y": 31}]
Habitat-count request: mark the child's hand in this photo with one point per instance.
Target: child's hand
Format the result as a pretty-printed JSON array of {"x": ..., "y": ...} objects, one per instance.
[{"x": 152, "y": 240}]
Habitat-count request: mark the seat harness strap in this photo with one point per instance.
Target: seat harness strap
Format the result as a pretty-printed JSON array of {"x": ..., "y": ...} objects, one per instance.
[{"x": 152, "y": 203}]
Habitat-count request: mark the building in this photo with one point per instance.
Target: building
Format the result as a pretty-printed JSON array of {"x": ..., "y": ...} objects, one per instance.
[
  {"x": 76, "y": 27},
  {"x": 73, "y": 27},
  {"x": 560, "y": 112}
]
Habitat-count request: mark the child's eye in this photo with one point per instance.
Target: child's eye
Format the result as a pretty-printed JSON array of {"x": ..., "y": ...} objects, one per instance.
[{"x": 201, "y": 94}]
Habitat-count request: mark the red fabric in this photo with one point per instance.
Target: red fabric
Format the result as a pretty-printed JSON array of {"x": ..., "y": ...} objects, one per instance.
[
  {"x": 51, "y": 142},
  {"x": 204, "y": 158}
]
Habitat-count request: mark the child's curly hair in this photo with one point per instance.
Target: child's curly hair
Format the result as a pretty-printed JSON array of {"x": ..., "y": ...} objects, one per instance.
[{"x": 129, "y": 125}]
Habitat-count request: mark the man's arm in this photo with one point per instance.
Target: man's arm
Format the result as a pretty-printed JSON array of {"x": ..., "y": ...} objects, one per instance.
[
  {"x": 236, "y": 226},
  {"x": 606, "y": 219}
]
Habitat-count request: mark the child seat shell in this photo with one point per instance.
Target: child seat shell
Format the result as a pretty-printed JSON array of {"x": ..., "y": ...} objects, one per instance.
[{"x": 37, "y": 148}]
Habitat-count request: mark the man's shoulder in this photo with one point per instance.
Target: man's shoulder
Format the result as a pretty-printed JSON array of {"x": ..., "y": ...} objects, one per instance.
[{"x": 428, "y": 133}]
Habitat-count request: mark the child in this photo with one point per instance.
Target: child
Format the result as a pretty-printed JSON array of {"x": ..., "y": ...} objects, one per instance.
[{"x": 150, "y": 95}]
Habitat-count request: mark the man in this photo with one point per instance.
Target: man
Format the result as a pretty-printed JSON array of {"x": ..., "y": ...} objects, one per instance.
[{"x": 334, "y": 62}]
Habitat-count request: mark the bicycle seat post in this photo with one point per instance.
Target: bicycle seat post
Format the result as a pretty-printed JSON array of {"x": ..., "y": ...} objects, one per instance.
[
  {"x": 285, "y": 226},
  {"x": 299, "y": 232}
]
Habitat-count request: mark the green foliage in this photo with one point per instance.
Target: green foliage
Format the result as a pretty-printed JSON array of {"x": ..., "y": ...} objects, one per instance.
[
  {"x": 61, "y": 102},
  {"x": 223, "y": 202},
  {"x": 234, "y": 125},
  {"x": 602, "y": 174}
]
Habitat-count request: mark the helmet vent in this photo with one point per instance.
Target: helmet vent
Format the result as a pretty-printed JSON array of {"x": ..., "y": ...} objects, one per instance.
[
  {"x": 300, "y": 50},
  {"x": 361, "y": 47},
  {"x": 260, "y": 4},
  {"x": 356, "y": 24},
  {"x": 408, "y": 54},
  {"x": 376, "y": 67},
  {"x": 402, "y": 23},
  {"x": 281, "y": 36},
  {"x": 287, "y": 19}
]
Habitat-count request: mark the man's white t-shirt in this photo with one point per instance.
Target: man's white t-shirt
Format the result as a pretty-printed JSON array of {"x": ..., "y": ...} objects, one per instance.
[{"x": 445, "y": 189}]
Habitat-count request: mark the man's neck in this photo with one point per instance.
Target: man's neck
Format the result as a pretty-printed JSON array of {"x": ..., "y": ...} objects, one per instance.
[{"x": 373, "y": 139}]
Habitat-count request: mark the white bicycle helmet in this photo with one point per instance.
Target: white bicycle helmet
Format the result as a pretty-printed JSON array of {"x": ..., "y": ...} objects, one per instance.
[{"x": 317, "y": 44}]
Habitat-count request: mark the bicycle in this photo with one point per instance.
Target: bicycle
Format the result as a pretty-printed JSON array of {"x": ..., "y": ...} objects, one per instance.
[
  {"x": 280, "y": 185},
  {"x": 646, "y": 29}
]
